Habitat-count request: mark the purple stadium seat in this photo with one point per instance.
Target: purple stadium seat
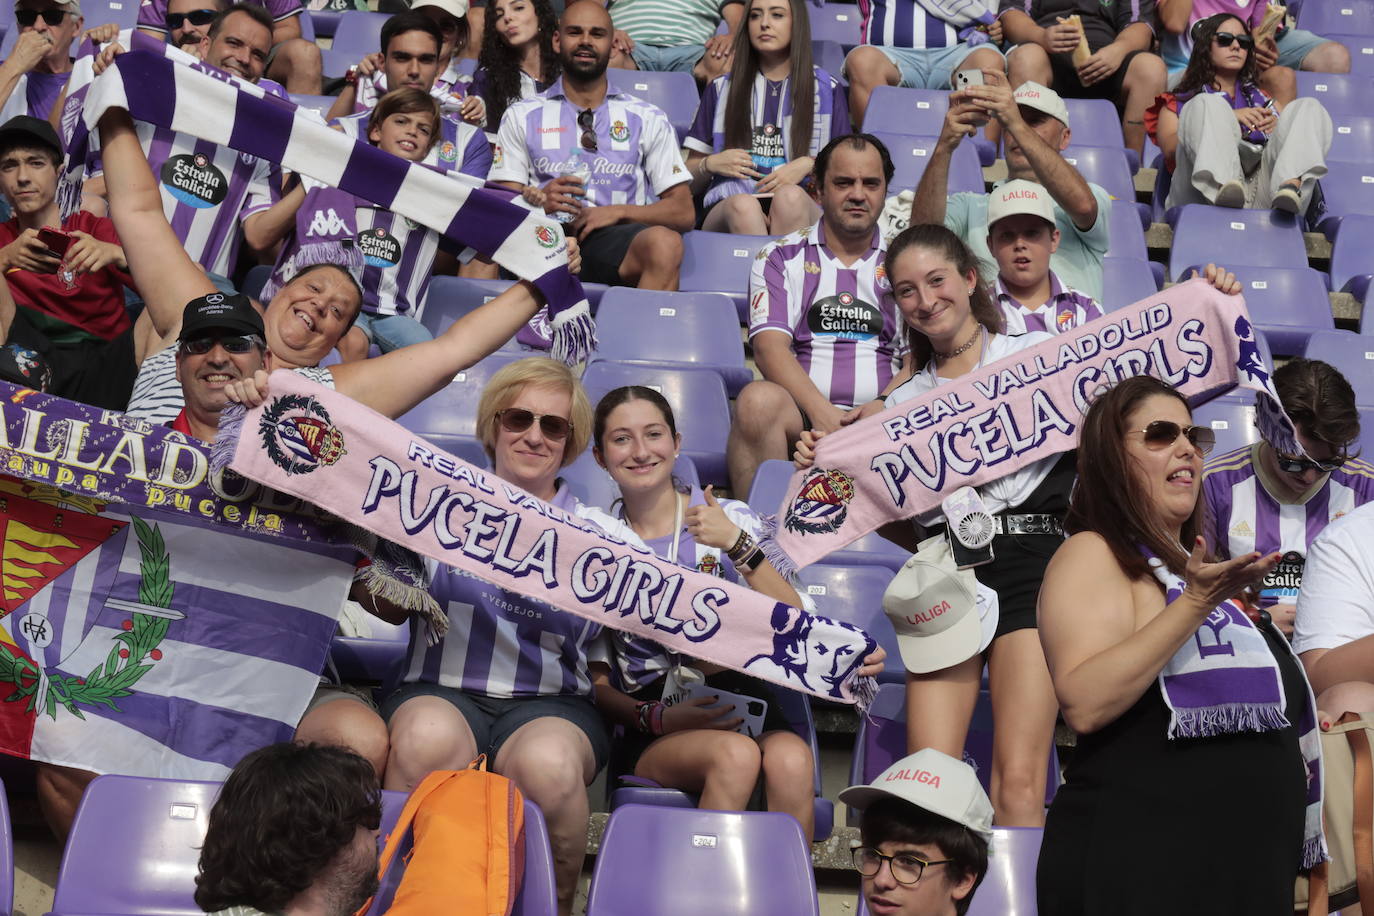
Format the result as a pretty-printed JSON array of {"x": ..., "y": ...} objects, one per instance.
[
  {"x": 1126, "y": 281},
  {"x": 923, "y": 113},
  {"x": 911, "y": 153},
  {"x": 1008, "y": 888},
  {"x": 656, "y": 861},
  {"x": 1348, "y": 188},
  {"x": 134, "y": 847},
  {"x": 854, "y": 594},
  {"x": 881, "y": 741},
  {"x": 1095, "y": 122},
  {"x": 1353, "y": 138},
  {"x": 537, "y": 896},
  {"x": 1106, "y": 166},
  {"x": 450, "y": 298},
  {"x": 1353, "y": 354},
  {"x": 1339, "y": 93},
  {"x": 1352, "y": 263},
  {"x": 766, "y": 495},
  {"x": 254, "y": 280},
  {"x": 699, "y": 404},
  {"x": 1366, "y": 440},
  {"x": 326, "y": 22},
  {"x": 359, "y": 33},
  {"x": 1361, "y": 49},
  {"x": 1343, "y": 17},
  {"x": 1235, "y": 238},
  {"x": 829, "y": 56},
  {"x": 1232, "y": 418},
  {"x": 677, "y": 330},
  {"x": 594, "y": 487},
  {"x": 7, "y": 856},
  {"x": 838, "y": 22},
  {"x": 448, "y": 418},
  {"x": 674, "y": 91},
  {"x": 373, "y": 659},
  {"x": 1287, "y": 304},
  {"x": 719, "y": 262},
  {"x": 1126, "y": 232}
]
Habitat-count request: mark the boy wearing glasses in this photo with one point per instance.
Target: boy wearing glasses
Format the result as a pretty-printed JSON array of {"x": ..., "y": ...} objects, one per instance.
[
  {"x": 39, "y": 65},
  {"x": 925, "y": 831},
  {"x": 1261, "y": 499}
]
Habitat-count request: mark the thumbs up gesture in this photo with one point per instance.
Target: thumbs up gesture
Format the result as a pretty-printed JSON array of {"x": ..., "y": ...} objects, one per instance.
[{"x": 709, "y": 525}]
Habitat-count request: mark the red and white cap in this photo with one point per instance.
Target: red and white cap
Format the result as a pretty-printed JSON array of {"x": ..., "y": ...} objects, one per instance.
[
  {"x": 934, "y": 781},
  {"x": 1042, "y": 98}
]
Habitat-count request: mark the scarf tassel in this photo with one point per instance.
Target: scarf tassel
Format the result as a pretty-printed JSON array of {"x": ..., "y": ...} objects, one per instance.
[
  {"x": 573, "y": 334},
  {"x": 227, "y": 438},
  {"x": 1314, "y": 848},
  {"x": 773, "y": 552},
  {"x": 384, "y": 586},
  {"x": 1228, "y": 718}
]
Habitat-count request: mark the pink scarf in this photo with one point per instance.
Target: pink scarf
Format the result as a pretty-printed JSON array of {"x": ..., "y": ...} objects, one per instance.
[
  {"x": 994, "y": 421},
  {"x": 324, "y": 447}
]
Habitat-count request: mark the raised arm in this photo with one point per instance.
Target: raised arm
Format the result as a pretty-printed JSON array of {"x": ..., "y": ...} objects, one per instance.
[
  {"x": 1174, "y": 15},
  {"x": 266, "y": 228},
  {"x": 162, "y": 271}
]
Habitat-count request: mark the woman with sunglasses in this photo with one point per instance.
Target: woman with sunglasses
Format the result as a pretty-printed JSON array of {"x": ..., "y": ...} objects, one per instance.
[
  {"x": 510, "y": 678},
  {"x": 1225, "y": 140},
  {"x": 517, "y": 60},
  {"x": 760, "y": 126},
  {"x": 1188, "y": 790},
  {"x": 1259, "y": 498},
  {"x": 691, "y": 745}
]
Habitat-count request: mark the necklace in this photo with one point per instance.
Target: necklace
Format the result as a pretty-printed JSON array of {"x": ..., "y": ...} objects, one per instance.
[{"x": 977, "y": 332}]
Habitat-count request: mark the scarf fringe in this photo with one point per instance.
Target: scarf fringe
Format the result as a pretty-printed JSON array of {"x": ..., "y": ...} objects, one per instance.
[
  {"x": 864, "y": 690},
  {"x": 773, "y": 552},
  {"x": 1314, "y": 851},
  {"x": 385, "y": 587},
  {"x": 573, "y": 334},
  {"x": 1229, "y": 718},
  {"x": 227, "y": 437}
]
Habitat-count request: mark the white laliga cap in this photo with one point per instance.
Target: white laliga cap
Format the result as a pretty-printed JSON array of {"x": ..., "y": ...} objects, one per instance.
[
  {"x": 1020, "y": 196},
  {"x": 935, "y": 782},
  {"x": 934, "y": 611},
  {"x": 1033, "y": 95},
  {"x": 455, "y": 8}
]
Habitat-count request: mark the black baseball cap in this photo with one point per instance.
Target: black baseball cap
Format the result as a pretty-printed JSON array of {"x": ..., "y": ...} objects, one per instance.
[
  {"x": 17, "y": 130},
  {"x": 232, "y": 312}
]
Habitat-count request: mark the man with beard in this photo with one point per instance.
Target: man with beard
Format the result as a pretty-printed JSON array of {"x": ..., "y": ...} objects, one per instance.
[
  {"x": 608, "y": 163},
  {"x": 290, "y": 58},
  {"x": 293, "y": 832},
  {"x": 824, "y": 326},
  {"x": 188, "y": 22}
]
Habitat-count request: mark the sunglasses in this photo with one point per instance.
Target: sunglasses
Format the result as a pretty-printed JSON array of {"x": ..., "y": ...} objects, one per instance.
[
  {"x": 195, "y": 17},
  {"x": 1160, "y": 434},
  {"x": 241, "y": 343},
  {"x": 518, "y": 419},
  {"x": 584, "y": 121},
  {"x": 1290, "y": 464},
  {"x": 1224, "y": 39},
  {"x": 27, "y": 18}
]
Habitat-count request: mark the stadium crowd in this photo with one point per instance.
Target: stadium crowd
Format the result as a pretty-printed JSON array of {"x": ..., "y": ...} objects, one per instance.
[{"x": 190, "y": 268}]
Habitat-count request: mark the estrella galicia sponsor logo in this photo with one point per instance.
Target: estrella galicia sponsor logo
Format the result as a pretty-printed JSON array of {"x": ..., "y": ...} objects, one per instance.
[
  {"x": 193, "y": 179},
  {"x": 844, "y": 316},
  {"x": 379, "y": 247}
]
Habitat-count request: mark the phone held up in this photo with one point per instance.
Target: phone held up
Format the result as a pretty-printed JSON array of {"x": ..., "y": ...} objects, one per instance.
[{"x": 966, "y": 78}]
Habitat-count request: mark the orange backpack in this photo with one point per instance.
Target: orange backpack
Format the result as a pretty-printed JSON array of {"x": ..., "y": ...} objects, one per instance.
[{"x": 469, "y": 845}]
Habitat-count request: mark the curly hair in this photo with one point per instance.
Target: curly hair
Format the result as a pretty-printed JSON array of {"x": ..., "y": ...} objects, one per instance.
[
  {"x": 283, "y": 815},
  {"x": 1200, "y": 73},
  {"x": 502, "y": 62}
]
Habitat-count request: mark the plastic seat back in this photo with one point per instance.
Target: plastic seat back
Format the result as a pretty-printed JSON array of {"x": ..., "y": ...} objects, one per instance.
[
  {"x": 922, "y": 111},
  {"x": 1339, "y": 93},
  {"x": 1125, "y": 281},
  {"x": 359, "y": 33},
  {"x": 1232, "y": 419},
  {"x": 673, "y": 91},
  {"x": 1235, "y": 238},
  {"x": 720, "y": 262},
  {"x": 1125, "y": 232},
  {"x": 910, "y": 154},
  {"x": 854, "y": 594},
  {"x": 1353, "y": 354},
  {"x": 1352, "y": 139},
  {"x": 448, "y": 417},
  {"x": 1351, "y": 254},
  {"x": 1106, "y": 166},
  {"x": 1338, "y": 17},
  {"x": 838, "y": 22}
]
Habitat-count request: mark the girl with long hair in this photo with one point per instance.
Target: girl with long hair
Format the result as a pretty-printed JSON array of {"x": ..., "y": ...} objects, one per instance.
[
  {"x": 517, "y": 60},
  {"x": 759, "y": 128},
  {"x": 1226, "y": 140}
]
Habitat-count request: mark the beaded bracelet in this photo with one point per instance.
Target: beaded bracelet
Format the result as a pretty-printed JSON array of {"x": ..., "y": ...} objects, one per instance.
[{"x": 743, "y": 547}]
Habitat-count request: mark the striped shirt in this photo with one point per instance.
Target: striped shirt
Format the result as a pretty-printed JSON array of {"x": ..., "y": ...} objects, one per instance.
[
  {"x": 904, "y": 24},
  {"x": 1065, "y": 308},
  {"x": 845, "y": 328},
  {"x": 501, "y": 643},
  {"x": 157, "y": 395},
  {"x": 636, "y": 159},
  {"x": 771, "y": 117},
  {"x": 448, "y": 92},
  {"x": 669, "y": 23},
  {"x": 34, "y": 95},
  {"x": 152, "y": 14},
  {"x": 1244, "y": 514},
  {"x": 461, "y": 147}
]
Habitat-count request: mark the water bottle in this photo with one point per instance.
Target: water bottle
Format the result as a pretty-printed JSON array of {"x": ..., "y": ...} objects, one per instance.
[{"x": 581, "y": 170}]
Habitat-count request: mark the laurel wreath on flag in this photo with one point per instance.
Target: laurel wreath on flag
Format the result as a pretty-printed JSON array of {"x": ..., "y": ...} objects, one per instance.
[{"x": 133, "y": 655}]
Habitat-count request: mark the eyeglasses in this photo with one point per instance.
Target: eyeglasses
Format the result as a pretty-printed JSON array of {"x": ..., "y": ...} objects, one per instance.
[
  {"x": 584, "y": 121},
  {"x": 195, "y": 17},
  {"x": 906, "y": 868},
  {"x": 518, "y": 419},
  {"x": 1291, "y": 464},
  {"x": 1224, "y": 39},
  {"x": 27, "y": 18},
  {"x": 1160, "y": 434},
  {"x": 241, "y": 343}
]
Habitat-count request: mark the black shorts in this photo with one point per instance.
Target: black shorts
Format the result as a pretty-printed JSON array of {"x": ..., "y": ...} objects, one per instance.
[
  {"x": 1066, "y": 81},
  {"x": 604, "y": 250},
  {"x": 96, "y": 372},
  {"x": 1015, "y": 574},
  {"x": 494, "y": 719}
]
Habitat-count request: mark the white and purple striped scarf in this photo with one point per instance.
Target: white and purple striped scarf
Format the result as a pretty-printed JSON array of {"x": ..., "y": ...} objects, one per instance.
[
  {"x": 202, "y": 102},
  {"x": 1226, "y": 680}
]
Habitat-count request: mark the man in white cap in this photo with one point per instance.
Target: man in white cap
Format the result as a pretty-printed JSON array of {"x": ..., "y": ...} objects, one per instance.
[
  {"x": 925, "y": 830},
  {"x": 1022, "y": 237},
  {"x": 33, "y": 76},
  {"x": 1035, "y": 125}
]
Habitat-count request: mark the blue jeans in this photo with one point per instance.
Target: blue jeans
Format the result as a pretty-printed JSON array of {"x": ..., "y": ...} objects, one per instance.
[{"x": 391, "y": 332}]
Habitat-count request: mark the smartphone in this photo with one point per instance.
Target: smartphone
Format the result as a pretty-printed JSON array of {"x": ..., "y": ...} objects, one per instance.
[
  {"x": 56, "y": 241},
  {"x": 969, "y": 528},
  {"x": 750, "y": 709},
  {"x": 966, "y": 78}
]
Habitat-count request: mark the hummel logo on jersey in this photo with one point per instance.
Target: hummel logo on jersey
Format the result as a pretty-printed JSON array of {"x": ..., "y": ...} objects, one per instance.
[
  {"x": 1242, "y": 530},
  {"x": 327, "y": 223}
]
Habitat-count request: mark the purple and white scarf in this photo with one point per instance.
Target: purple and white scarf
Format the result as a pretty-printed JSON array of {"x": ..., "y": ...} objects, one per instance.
[
  {"x": 204, "y": 103},
  {"x": 1226, "y": 680}
]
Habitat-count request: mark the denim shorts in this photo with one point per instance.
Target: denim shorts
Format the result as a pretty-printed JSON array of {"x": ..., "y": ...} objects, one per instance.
[
  {"x": 391, "y": 332},
  {"x": 931, "y": 68},
  {"x": 1295, "y": 45},
  {"x": 494, "y": 719},
  {"x": 661, "y": 59}
]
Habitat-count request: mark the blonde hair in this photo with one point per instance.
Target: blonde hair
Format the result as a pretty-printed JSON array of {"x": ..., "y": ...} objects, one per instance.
[{"x": 535, "y": 372}]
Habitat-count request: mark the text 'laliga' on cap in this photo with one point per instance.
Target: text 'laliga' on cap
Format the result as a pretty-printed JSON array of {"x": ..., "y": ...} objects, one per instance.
[
  {"x": 933, "y": 781},
  {"x": 1042, "y": 98},
  {"x": 1020, "y": 196}
]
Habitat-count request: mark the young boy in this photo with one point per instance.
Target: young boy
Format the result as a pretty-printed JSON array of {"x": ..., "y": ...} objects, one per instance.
[
  {"x": 925, "y": 831},
  {"x": 1022, "y": 236}
]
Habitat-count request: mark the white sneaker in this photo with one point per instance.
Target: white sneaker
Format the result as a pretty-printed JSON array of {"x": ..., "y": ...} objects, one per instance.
[
  {"x": 1287, "y": 200},
  {"x": 1232, "y": 195}
]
